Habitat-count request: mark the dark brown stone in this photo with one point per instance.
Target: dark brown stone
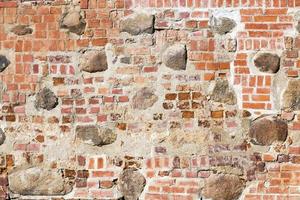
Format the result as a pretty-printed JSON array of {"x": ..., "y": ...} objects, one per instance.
[
  {"x": 144, "y": 98},
  {"x": 222, "y": 25},
  {"x": 265, "y": 131},
  {"x": 4, "y": 62},
  {"x": 46, "y": 99},
  {"x": 2, "y": 136},
  {"x": 137, "y": 23},
  {"x": 93, "y": 61},
  {"x": 223, "y": 93},
  {"x": 267, "y": 62},
  {"x": 223, "y": 187},
  {"x": 131, "y": 184},
  {"x": 94, "y": 135},
  {"x": 291, "y": 96},
  {"x": 21, "y": 30},
  {"x": 175, "y": 56}
]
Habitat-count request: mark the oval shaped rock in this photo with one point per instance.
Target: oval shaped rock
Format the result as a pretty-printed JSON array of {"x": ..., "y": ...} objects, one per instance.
[
  {"x": 222, "y": 93},
  {"x": 144, "y": 98},
  {"x": 22, "y": 30},
  {"x": 2, "y": 136},
  {"x": 4, "y": 62},
  {"x": 94, "y": 135},
  {"x": 93, "y": 61},
  {"x": 131, "y": 184},
  {"x": 46, "y": 99},
  {"x": 223, "y": 187},
  {"x": 73, "y": 21},
  {"x": 267, "y": 62},
  {"x": 38, "y": 181},
  {"x": 265, "y": 131},
  {"x": 291, "y": 96},
  {"x": 137, "y": 23},
  {"x": 175, "y": 57},
  {"x": 222, "y": 25}
]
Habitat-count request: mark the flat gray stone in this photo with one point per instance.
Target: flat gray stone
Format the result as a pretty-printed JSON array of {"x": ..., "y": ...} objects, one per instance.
[
  {"x": 175, "y": 57},
  {"x": 2, "y": 136},
  {"x": 144, "y": 98},
  {"x": 222, "y": 25},
  {"x": 45, "y": 99},
  {"x": 93, "y": 61},
  {"x": 21, "y": 30},
  {"x": 73, "y": 21},
  {"x": 4, "y": 62},
  {"x": 291, "y": 96},
  {"x": 137, "y": 23},
  {"x": 223, "y": 93}
]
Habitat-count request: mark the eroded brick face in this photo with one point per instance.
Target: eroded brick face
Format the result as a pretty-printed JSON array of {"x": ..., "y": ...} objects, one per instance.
[{"x": 155, "y": 99}]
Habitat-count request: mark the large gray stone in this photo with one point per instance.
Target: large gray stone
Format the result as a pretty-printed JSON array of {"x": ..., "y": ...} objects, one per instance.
[
  {"x": 131, "y": 183},
  {"x": 45, "y": 99},
  {"x": 73, "y": 21},
  {"x": 2, "y": 136},
  {"x": 223, "y": 93},
  {"x": 267, "y": 62},
  {"x": 95, "y": 135},
  {"x": 21, "y": 30},
  {"x": 38, "y": 181},
  {"x": 4, "y": 62},
  {"x": 137, "y": 23},
  {"x": 222, "y": 25},
  {"x": 266, "y": 130},
  {"x": 223, "y": 187},
  {"x": 291, "y": 96},
  {"x": 144, "y": 98},
  {"x": 93, "y": 61},
  {"x": 175, "y": 57}
]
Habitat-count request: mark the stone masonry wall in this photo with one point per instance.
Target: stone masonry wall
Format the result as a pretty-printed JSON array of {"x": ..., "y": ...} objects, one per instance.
[{"x": 150, "y": 99}]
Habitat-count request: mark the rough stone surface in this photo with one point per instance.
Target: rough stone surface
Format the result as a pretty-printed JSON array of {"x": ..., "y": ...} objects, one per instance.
[
  {"x": 2, "y": 136},
  {"x": 267, "y": 62},
  {"x": 175, "y": 57},
  {"x": 38, "y": 181},
  {"x": 46, "y": 99},
  {"x": 4, "y": 62},
  {"x": 144, "y": 98},
  {"x": 94, "y": 135},
  {"x": 223, "y": 187},
  {"x": 137, "y": 23},
  {"x": 291, "y": 96},
  {"x": 222, "y": 25},
  {"x": 73, "y": 21},
  {"x": 265, "y": 131},
  {"x": 223, "y": 93},
  {"x": 93, "y": 61},
  {"x": 131, "y": 184},
  {"x": 21, "y": 30}
]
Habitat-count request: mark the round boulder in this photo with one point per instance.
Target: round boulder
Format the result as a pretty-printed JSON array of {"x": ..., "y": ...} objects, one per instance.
[
  {"x": 137, "y": 23},
  {"x": 46, "y": 99},
  {"x": 265, "y": 131},
  {"x": 175, "y": 57},
  {"x": 131, "y": 184},
  {"x": 93, "y": 61},
  {"x": 223, "y": 187},
  {"x": 267, "y": 62},
  {"x": 4, "y": 62},
  {"x": 144, "y": 98},
  {"x": 73, "y": 21}
]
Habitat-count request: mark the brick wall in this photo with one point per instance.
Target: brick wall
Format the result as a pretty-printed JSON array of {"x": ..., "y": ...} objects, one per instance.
[{"x": 150, "y": 99}]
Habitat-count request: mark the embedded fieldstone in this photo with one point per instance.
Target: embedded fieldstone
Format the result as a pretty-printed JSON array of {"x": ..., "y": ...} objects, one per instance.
[
  {"x": 4, "y": 62},
  {"x": 291, "y": 96},
  {"x": 95, "y": 135},
  {"x": 73, "y": 21},
  {"x": 22, "y": 30},
  {"x": 137, "y": 23},
  {"x": 223, "y": 93},
  {"x": 2, "y": 136},
  {"x": 222, "y": 25},
  {"x": 93, "y": 61},
  {"x": 144, "y": 98},
  {"x": 267, "y": 62},
  {"x": 131, "y": 183},
  {"x": 223, "y": 187},
  {"x": 264, "y": 131},
  {"x": 175, "y": 57},
  {"x": 38, "y": 181},
  {"x": 46, "y": 99}
]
